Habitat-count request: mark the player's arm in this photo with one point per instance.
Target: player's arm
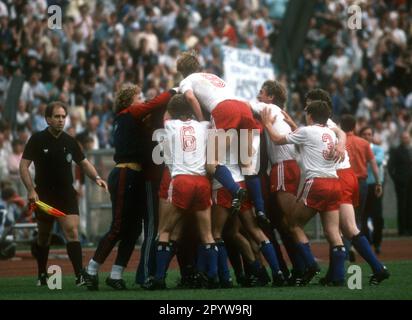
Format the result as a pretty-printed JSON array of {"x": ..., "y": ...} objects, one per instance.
[
  {"x": 340, "y": 146},
  {"x": 267, "y": 121},
  {"x": 288, "y": 119},
  {"x": 194, "y": 103},
  {"x": 91, "y": 172},
  {"x": 139, "y": 110},
  {"x": 375, "y": 170},
  {"x": 26, "y": 178}
]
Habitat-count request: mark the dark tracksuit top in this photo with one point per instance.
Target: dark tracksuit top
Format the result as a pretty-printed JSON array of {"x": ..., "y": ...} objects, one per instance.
[{"x": 127, "y": 186}]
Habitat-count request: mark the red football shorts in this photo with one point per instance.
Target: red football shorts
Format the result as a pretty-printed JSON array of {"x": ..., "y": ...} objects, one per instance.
[
  {"x": 233, "y": 114},
  {"x": 285, "y": 176},
  {"x": 165, "y": 188},
  {"x": 222, "y": 197},
  {"x": 322, "y": 194},
  {"x": 349, "y": 185},
  {"x": 191, "y": 192}
]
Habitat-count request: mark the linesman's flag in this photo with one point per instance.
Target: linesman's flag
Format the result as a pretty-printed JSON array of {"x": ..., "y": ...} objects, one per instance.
[{"x": 48, "y": 209}]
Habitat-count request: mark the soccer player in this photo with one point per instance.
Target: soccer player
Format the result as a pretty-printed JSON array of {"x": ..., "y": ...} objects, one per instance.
[
  {"x": 185, "y": 153},
  {"x": 321, "y": 190},
  {"x": 210, "y": 92},
  {"x": 126, "y": 185},
  {"x": 284, "y": 176},
  {"x": 222, "y": 202}
]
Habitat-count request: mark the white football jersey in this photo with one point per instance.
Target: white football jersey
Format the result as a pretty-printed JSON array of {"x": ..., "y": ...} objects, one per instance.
[
  {"x": 346, "y": 162},
  {"x": 276, "y": 153},
  {"x": 208, "y": 88},
  {"x": 185, "y": 146},
  {"x": 317, "y": 145}
]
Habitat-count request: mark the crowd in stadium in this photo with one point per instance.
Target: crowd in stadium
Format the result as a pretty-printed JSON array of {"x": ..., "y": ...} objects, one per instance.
[{"x": 104, "y": 44}]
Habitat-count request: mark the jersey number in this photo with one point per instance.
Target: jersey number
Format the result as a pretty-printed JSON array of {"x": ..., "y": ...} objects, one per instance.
[
  {"x": 188, "y": 139},
  {"x": 214, "y": 80},
  {"x": 330, "y": 147}
]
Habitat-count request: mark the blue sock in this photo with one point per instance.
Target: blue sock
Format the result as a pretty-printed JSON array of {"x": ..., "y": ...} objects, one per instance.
[
  {"x": 201, "y": 262},
  {"x": 348, "y": 245},
  {"x": 224, "y": 176},
  {"x": 252, "y": 268},
  {"x": 270, "y": 255},
  {"x": 298, "y": 264},
  {"x": 212, "y": 253},
  {"x": 363, "y": 247},
  {"x": 223, "y": 268},
  {"x": 163, "y": 257},
  {"x": 337, "y": 264},
  {"x": 304, "y": 250},
  {"x": 207, "y": 259},
  {"x": 254, "y": 188}
]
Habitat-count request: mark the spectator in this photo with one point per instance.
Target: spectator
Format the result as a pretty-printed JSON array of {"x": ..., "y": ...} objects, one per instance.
[{"x": 400, "y": 169}]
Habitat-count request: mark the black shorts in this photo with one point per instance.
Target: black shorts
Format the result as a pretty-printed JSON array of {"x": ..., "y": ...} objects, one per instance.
[{"x": 65, "y": 201}]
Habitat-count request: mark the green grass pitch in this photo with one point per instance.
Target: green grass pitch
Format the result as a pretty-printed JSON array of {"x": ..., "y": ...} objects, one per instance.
[{"x": 399, "y": 286}]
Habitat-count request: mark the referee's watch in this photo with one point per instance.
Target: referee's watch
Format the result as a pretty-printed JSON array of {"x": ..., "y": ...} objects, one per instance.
[{"x": 97, "y": 178}]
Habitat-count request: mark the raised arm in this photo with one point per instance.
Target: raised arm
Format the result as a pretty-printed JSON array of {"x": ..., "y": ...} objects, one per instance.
[
  {"x": 267, "y": 121},
  {"x": 191, "y": 98},
  {"x": 139, "y": 110}
]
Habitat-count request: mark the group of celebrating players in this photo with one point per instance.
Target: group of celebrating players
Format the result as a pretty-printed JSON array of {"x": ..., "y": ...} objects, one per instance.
[{"x": 214, "y": 209}]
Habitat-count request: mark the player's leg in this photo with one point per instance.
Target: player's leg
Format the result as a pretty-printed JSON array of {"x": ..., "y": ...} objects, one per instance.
[
  {"x": 42, "y": 246},
  {"x": 130, "y": 226},
  {"x": 146, "y": 267},
  {"x": 187, "y": 245},
  {"x": 163, "y": 247},
  {"x": 296, "y": 223},
  {"x": 252, "y": 179},
  {"x": 250, "y": 224},
  {"x": 219, "y": 218},
  {"x": 359, "y": 241},
  {"x": 70, "y": 227},
  {"x": 330, "y": 223},
  {"x": 117, "y": 189},
  {"x": 207, "y": 263}
]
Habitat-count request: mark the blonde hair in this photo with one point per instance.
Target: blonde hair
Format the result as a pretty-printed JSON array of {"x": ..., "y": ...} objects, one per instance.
[
  {"x": 188, "y": 63},
  {"x": 125, "y": 96}
]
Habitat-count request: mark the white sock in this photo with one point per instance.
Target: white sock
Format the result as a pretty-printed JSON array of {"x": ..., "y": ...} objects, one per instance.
[
  {"x": 117, "y": 272},
  {"x": 93, "y": 267}
]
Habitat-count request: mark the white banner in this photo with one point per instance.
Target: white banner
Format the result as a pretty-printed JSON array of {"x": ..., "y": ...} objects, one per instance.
[{"x": 246, "y": 70}]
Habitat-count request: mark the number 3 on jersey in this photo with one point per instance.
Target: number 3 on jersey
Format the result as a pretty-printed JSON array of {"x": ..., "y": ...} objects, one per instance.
[
  {"x": 330, "y": 147},
  {"x": 188, "y": 139}
]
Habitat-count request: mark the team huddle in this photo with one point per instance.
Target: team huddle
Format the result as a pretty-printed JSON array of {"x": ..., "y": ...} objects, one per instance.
[{"x": 213, "y": 209}]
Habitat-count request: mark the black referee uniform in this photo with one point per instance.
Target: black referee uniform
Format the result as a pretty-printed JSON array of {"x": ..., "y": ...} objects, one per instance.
[{"x": 52, "y": 157}]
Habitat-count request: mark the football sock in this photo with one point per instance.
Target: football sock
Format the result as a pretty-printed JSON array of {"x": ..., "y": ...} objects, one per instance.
[
  {"x": 338, "y": 264},
  {"x": 254, "y": 188},
  {"x": 223, "y": 268},
  {"x": 163, "y": 257},
  {"x": 270, "y": 255},
  {"x": 224, "y": 176},
  {"x": 74, "y": 251},
  {"x": 117, "y": 272},
  {"x": 361, "y": 244},
  {"x": 93, "y": 267}
]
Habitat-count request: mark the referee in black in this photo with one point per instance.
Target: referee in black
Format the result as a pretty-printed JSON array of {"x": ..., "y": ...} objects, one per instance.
[{"x": 52, "y": 151}]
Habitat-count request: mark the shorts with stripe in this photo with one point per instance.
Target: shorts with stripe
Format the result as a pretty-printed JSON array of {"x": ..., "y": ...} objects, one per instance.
[
  {"x": 285, "y": 176},
  {"x": 191, "y": 192},
  {"x": 322, "y": 194},
  {"x": 349, "y": 185},
  {"x": 223, "y": 198}
]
